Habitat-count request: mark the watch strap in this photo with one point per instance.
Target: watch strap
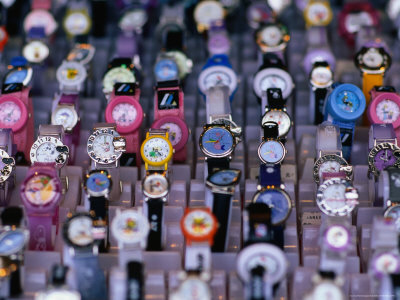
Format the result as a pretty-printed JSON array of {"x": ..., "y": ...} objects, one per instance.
[
  {"x": 12, "y": 216},
  {"x": 6, "y": 144},
  {"x": 18, "y": 61},
  {"x": 127, "y": 45},
  {"x": 328, "y": 139},
  {"x": 15, "y": 279},
  {"x": 394, "y": 184},
  {"x": 169, "y": 100},
  {"x": 271, "y": 60},
  {"x": 216, "y": 164},
  {"x": 99, "y": 17},
  {"x": 36, "y": 33},
  {"x": 218, "y": 60},
  {"x": 221, "y": 209},
  {"x": 56, "y": 131},
  {"x": 135, "y": 281},
  {"x": 317, "y": 37},
  {"x": 319, "y": 95},
  {"x": 275, "y": 99},
  {"x": 173, "y": 40},
  {"x": 270, "y": 175},
  {"x": 40, "y": 227},
  {"x": 257, "y": 283},
  {"x": 217, "y": 102},
  {"x": 99, "y": 206},
  {"x": 346, "y": 137},
  {"x": 259, "y": 223},
  {"x": 369, "y": 81},
  {"x": 271, "y": 130},
  {"x": 41, "y": 4},
  {"x": 381, "y": 133},
  {"x": 155, "y": 215}
]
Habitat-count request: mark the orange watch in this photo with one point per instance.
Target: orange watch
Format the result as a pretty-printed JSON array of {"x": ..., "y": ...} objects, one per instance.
[{"x": 199, "y": 225}]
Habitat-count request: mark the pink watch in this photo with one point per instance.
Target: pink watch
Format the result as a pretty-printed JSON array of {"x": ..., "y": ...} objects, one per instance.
[
  {"x": 16, "y": 112},
  {"x": 41, "y": 4},
  {"x": 41, "y": 195},
  {"x": 169, "y": 114},
  {"x": 385, "y": 107},
  {"x": 125, "y": 111}
]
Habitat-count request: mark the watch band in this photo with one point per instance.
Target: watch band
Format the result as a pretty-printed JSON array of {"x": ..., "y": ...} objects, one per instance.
[
  {"x": 168, "y": 100},
  {"x": 216, "y": 164},
  {"x": 328, "y": 139},
  {"x": 346, "y": 136},
  {"x": 99, "y": 17},
  {"x": 6, "y": 144},
  {"x": 270, "y": 175},
  {"x": 217, "y": 102},
  {"x": 258, "y": 225},
  {"x": 99, "y": 205},
  {"x": 271, "y": 130},
  {"x": 381, "y": 133},
  {"x": 257, "y": 283},
  {"x": 127, "y": 45},
  {"x": 394, "y": 185},
  {"x": 135, "y": 281},
  {"x": 275, "y": 99},
  {"x": 318, "y": 96},
  {"x": 155, "y": 215},
  {"x": 222, "y": 210},
  {"x": 173, "y": 40},
  {"x": 41, "y": 4}
]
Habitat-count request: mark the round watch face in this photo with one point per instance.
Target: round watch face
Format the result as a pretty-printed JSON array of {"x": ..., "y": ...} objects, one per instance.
[
  {"x": 77, "y": 23},
  {"x": 65, "y": 116},
  {"x": 386, "y": 263},
  {"x": 199, "y": 223},
  {"x": 10, "y": 113},
  {"x": 347, "y": 101},
  {"x": 273, "y": 81},
  {"x": 337, "y": 237},
  {"x": 124, "y": 114},
  {"x": 194, "y": 289},
  {"x": 329, "y": 166},
  {"x": 16, "y": 76},
  {"x": 271, "y": 152},
  {"x": 80, "y": 231},
  {"x": 71, "y": 73},
  {"x": 281, "y": 118},
  {"x": 318, "y": 14},
  {"x": 40, "y": 18},
  {"x": 130, "y": 227},
  {"x": 119, "y": 74},
  {"x": 387, "y": 111},
  {"x": 372, "y": 58},
  {"x": 321, "y": 76},
  {"x": 278, "y": 201},
  {"x": 166, "y": 69},
  {"x": 156, "y": 149},
  {"x": 133, "y": 20},
  {"x": 354, "y": 21},
  {"x": 41, "y": 189},
  {"x": 174, "y": 132},
  {"x": 384, "y": 158},
  {"x": 103, "y": 146},
  {"x": 155, "y": 186},
  {"x": 219, "y": 76},
  {"x": 327, "y": 290},
  {"x": 208, "y": 11},
  {"x": 224, "y": 177},
  {"x": 334, "y": 197},
  {"x": 47, "y": 153},
  {"x": 11, "y": 242},
  {"x": 81, "y": 53},
  {"x": 35, "y": 51},
  {"x": 217, "y": 141},
  {"x": 98, "y": 182},
  {"x": 271, "y": 35}
]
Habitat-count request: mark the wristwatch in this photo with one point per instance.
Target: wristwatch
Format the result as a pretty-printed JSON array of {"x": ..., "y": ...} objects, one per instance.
[
  {"x": 272, "y": 74},
  {"x": 217, "y": 71},
  {"x": 318, "y": 13},
  {"x": 344, "y": 106},
  {"x": 258, "y": 13},
  {"x": 171, "y": 18},
  {"x": 218, "y": 40},
  {"x": 199, "y": 227},
  {"x": 125, "y": 111},
  {"x": 16, "y": 112},
  {"x": 41, "y": 196},
  {"x": 207, "y": 11},
  {"x": 118, "y": 70},
  {"x": 321, "y": 80},
  {"x": 77, "y": 20},
  {"x": 272, "y": 37},
  {"x": 384, "y": 262},
  {"x": 166, "y": 68},
  {"x": 169, "y": 115},
  {"x": 71, "y": 75},
  {"x": 261, "y": 266},
  {"x": 19, "y": 71},
  {"x": 156, "y": 150},
  {"x": 7, "y": 165},
  {"x": 81, "y": 236},
  {"x": 271, "y": 150},
  {"x": 155, "y": 187},
  {"x": 222, "y": 184},
  {"x": 82, "y": 53},
  {"x": 390, "y": 178},
  {"x": 133, "y": 19},
  {"x": 383, "y": 149},
  {"x": 194, "y": 285},
  {"x": 326, "y": 287},
  {"x": 36, "y": 50},
  {"x": 40, "y": 16},
  {"x": 275, "y": 111}
]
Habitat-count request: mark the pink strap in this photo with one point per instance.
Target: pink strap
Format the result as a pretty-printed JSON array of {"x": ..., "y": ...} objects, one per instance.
[
  {"x": 40, "y": 232},
  {"x": 133, "y": 145},
  {"x": 169, "y": 112},
  {"x": 180, "y": 156},
  {"x": 330, "y": 175},
  {"x": 41, "y": 4}
]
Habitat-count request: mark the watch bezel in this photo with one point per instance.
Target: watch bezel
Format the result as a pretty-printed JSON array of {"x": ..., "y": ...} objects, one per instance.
[
  {"x": 222, "y": 69},
  {"x": 160, "y": 163},
  {"x": 209, "y": 154},
  {"x": 344, "y": 165},
  {"x": 68, "y": 241},
  {"x": 109, "y": 73},
  {"x": 211, "y": 184},
  {"x": 49, "y": 29},
  {"x": 71, "y": 12},
  {"x": 74, "y": 114},
  {"x": 7, "y": 230},
  {"x": 260, "y": 75},
  {"x": 159, "y": 176},
  {"x": 178, "y": 122},
  {"x": 61, "y": 159},
  {"x": 372, "y": 169},
  {"x": 337, "y": 112},
  {"x": 202, "y": 27},
  {"x": 142, "y": 223},
  {"x": 126, "y": 14},
  {"x": 208, "y": 237},
  {"x": 282, "y": 43},
  {"x": 321, "y": 23},
  {"x": 330, "y": 245},
  {"x": 89, "y": 147},
  {"x": 103, "y": 193},
  {"x": 171, "y": 61},
  {"x": 386, "y": 60},
  {"x": 268, "y": 141},
  {"x": 316, "y": 84}
]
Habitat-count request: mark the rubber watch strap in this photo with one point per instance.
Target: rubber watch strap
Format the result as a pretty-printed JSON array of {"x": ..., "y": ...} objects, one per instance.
[
  {"x": 275, "y": 99},
  {"x": 155, "y": 215},
  {"x": 271, "y": 130},
  {"x": 320, "y": 96},
  {"x": 135, "y": 281},
  {"x": 259, "y": 223},
  {"x": 221, "y": 209},
  {"x": 216, "y": 164}
]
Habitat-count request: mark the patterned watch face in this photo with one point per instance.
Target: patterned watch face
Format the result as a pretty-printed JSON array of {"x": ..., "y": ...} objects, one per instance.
[
  {"x": 36, "y": 51},
  {"x": 329, "y": 166},
  {"x": 278, "y": 203},
  {"x": 174, "y": 132},
  {"x": 47, "y": 152},
  {"x": 156, "y": 149},
  {"x": 318, "y": 13},
  {"x": 271, "y": 36},
  {"x": 155, "y": 185},
  {"x": 77, "y": 23},
  {"x": 65, "y": 116},
  {"x": 16, "y": 76},
  {"x": 347, "y": 101},
  {"x": 273, "y": 81},
  {"x": 337, "y": 237},
  {"x": 10, "y": 113},
  {"x": 80, "y": 231},
  {"x": 199, "y": 223},
  {"x": 103, "y": 146},
  {"x": 217, "y": 141},
  {"x": 272, "y": 152},
  {"x": 128, "y": 226},
  {"x": 40, "y": 189},
  {"x": 7, "y": 165},
  {"x": 372, "y": 58},
  {"x": 321, "y": 75},
  {"x": 11, "y": 242},
  {"x": 387, "y": 111},
  {"x": 166, "y": 69},
  {"x": 279, "y": 117},
  {"x": 71, "y": 74},
  {"x": 387, "y": 263},
  {"x": 216, "y": 78},
  {"x": 384, "y": 158},
  {"x": 335, "y": 196},
  {"x": 98, "y": 182},
  {"x": 224, "y": 177},
  {"x": 124, "y": 114}
]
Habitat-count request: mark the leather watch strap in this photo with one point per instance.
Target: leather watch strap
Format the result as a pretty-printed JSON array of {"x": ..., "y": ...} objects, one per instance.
[
  {"x": 319, "y": 99},
  {"x": 135, "y": 281},
  {"x": 155, "y": 215},
  {"x": 221, "y": 210},
  {"x": 216, "y": 164}
]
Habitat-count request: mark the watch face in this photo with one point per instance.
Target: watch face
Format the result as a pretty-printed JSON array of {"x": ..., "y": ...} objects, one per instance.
[
  {"x": 194, "y": 289},
  {"x": 98, "y": 182},
  {"x": 354, "y": 21},
  {"x": 80, "y": 231},
  {"x": 281, "y": 118},
  {"x": 103, "y": 146},
  {"x": 41, "y": 189},
  {"x": 225, "y": 177},
  {"x": 386, "y": 263},
  {"x": 71, "y": 73},
  {"x": 10, "y": 113},
  {"x": 337, "y": 237},
  {"x": 217, "y": 141},
  {"x": 124, "y": 114},
  {"x": 321, "y": 76},
  {"x": 387, "y": 111},
  {"x": 119, "y": 74},
  {"x": 271, "y": 152},
  {"x": 273, "y": 81},
  {"x": 318, "y": 13},
  {"x": 278, "y": 203},
  {"x": 199, "y": 223},
  {"x": 327, "y": 290},
  {"x": 81, "y": 53},
  {"x": 269, "y": 263},
  {"x": 174, "y": 132},
  {"x": 271, "y": 35},
  {"x": 166, "y": 69},
  {"x": 40, "y": 18},
  {"x": 218, "y": 77},
  {"x": 156, "y": 149},
  {"x": 133, "y": 20},
  {"x": 7, "y": 165},
  {"x": 47, "y": 153},
  {"x": 130, "y": 226},
  {"x": 384, "y": 158},
  {"x": 329, "y": 166},
  {"x": 208, "y": 11},
  {"x": 348, "y": 101},
  {"x": 77, "y": 23},
  {"x": 335, "y": 195},
  {"x": 65, "y": 116},
  {"x": 11, "y": 242},
  {"x": 372, "y": 58},
  {"x": 16, "y": 76},
  {"x": 35, "y": 51},
  {"x": 155, "y": 185}
]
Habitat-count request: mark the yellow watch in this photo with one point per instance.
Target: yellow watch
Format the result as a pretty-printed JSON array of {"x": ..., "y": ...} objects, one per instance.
[
  {"x": 77, "y": 21},
  {"x": 156, "y": 150},
  {"x": 206, "y": 12},
  {"x": 318, "y": 13}
]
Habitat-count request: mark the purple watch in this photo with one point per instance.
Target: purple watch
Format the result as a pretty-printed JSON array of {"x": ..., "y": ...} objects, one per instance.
[{"x": 7, "y": 165}]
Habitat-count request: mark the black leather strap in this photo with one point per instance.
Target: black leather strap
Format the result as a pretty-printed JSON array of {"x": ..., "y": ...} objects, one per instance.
[
  {"x": 135, "y": 281},
  {"x": 155, "y": 208},
  {"x": 99, "y": 205},
  {"x": 58, "y": 274},
  {"x": 257, "y": 283},
  {"x": 173, "y": 40},
  {"x": 221, "y": 207},
  {"x": 99, "y": 17},
  {"x": 395, "y": 278},
  {"x": 128, "y": 160},
  {"x": 12, "y": 216},
  {"x": 259, "y": 223},
  {"x": 327, "y": 274},
  {"x": 320, "y": 95},
  {"x": 167, "y": 84},
  {"x": 216, "y": 164},
  {"x": 271, "y": 60},
  {"x": 271, "y": 130},
  {"x": 275, "y": 99},
  {"x": 15, "y": 280}
]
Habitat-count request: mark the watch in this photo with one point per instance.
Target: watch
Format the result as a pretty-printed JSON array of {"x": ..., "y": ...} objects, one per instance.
[
  {"x": 318, "y": 13},
  {"x": 156, "y": 150},
  {"x": 40, "y": 17},
  {"x": 325, "y": 287},
  {"x": 71, "y": 75},
  {"x": 133, "y": 20},
  {"x": 272, "y": 37},
  {"x": 218, "y": 40},
  {"x": 81, "y": 237},
  {"x": 329, "y": 153},
  {"x": 19, "y": 71},
  {"x": 128, "y": 40},
  {"x": 77, "y": 20},
  {"x": 166, "y": 68},
  {"x": 321, "y": 80},
  {"x": 193, "y": 286},
  {"x": 344, "y": 106},
  {"x": 41, "y": 196},
  {"x": 7, "y": 165},
  {"x": 155, "y": 187},
  {"x": 217, "y": 71},
  {"x": 258, "y": 13},
  {"x": 125, "y": 111},
  {"x": 118, "y": 70},
  {"x": 206, "y": 12},
  {"x": 222, "y": 184},
  {"x": 383, "y": 149},
  {"x": 383, "y": 263},
  {"x": 36, "y": 51},
  {"x": 171, "y": 19},
  {"x": 271, "y": 150},
  {"x": 82, "y": 53},
  {"x": 169, "y": 115},
  {"x": 16, "y": 112},
  {"x": 135, "y": 280}
]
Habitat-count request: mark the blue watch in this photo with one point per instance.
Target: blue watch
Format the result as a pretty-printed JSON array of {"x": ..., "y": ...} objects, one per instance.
[
  {"x": 19, "y": 71},
  {"x": 218, "y": 71},
  {"x": 344, "y": 106},
  {"x": 166, "y": 69}
]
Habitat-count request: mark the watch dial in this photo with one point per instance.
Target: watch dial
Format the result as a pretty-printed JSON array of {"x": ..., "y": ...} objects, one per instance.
[
  {"x": 387, "y": 111},
  {"x": 16, "y": 76},
  {"x": 155, "y": 185},
  {"x": 128, "y": 226},
  {"x": 98, "y": 182},
  {"x": 279, "y": 117},
  {"x": 327, "y": 290},
  {"x": 174, "y": 132},
  {"x": 372, "y": 58},
  {"x": 103, "y": 146},
  {"x": 273, "y": 81},
  {"x": 318, "y": 13},
  {"x": 348, "y": 101},
  {"x": 166, "y": 69},
  {"x": 77, "y": 23},
  {"x": 270, "y": 264},
  {"x": 278, "y": 203},
  {"x": 217, "y": 78},
  {"x": 337, "y": 236},
  {"x": 80, "y": 231},
  {"x": 132, "y": 20},
  {"x": 384, "y": 158},
  {"x": 272, "y": 151},
  {"x": 199, "y": 223},
  {"x": 124, "y": 114},
  {"x": 224, "y": 177},
  {"x": 10, "y": 113},
  {"x": 271, "y": 36},
  {"x": 156, "y": 149},
  {"x": 194, "y": 289},
  {"x": 208, "y": 11},
  {"x": 115, "y": 75},
  {"x": 217, "y": 141},
  {"x": 355, "y": 21},
  {"x": 335, "y": 196},
  {"x": 36, "y": 51},
  {"x": 12, "y": 242},
  {"x": 47, "y": 153},
  {"x": 65, "y": 116},
  {"x": 387, "y": 263},
  {"x": 329, "y": 166},
  {"x": 321, "y": 75},
  {"x": 71, "y": 74},
  {"x": 41, "y": 189}
]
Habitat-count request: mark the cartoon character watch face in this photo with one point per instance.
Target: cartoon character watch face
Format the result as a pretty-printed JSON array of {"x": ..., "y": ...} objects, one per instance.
[
  {"x": 318, "y": 13},
  {"x": 16, "y": 76},
  {"x": 41, "y": 189},
  {"x": 224, "y": 177},
  {"x": 271, "y": 35},
  {"x": 105, "y": 145},
  {"x": 329, "y": 166},
  {"x": 281, "y": 118},
  {"x": 7, "y": 164},
  {"x": 354, "y": 21},
  {"x": 334, "y": 195},
  {"x": 217, "y": 141},
  {"x": 386, "y": 263},
  {"x": 130, "y": 226},
  {"x": 115, "y": 75},
  {"x": 271, "y": 152},
  {"x": 166, "y": 69},
  {"x": 71, "y": 72},
  {"x": 199, "y": 223},
  {"x": 98, "y": 183},
  {"x": 10, "y": 113},
  {"x": 174, "y": 132},
  {"x": 80, "y": 231},
  {"x": 124, "y": 114},
  {"x": 348, "y": 101},
  {"x": 208, "y": 11},
  {"x": 65, "y": 116},
  {"x": 321, "y": 76},
  {"x": 387, "y": 111},
  {"x": 133, "y": 20},
  {"x": 35, "y": 51},
  {"x": 269, "y": 263},
  {"x": 156, "y": 149},
  {"x": 337, "y": 237},
  {"x": 77, "y": 23},
  {"x": 155, "y": 186},
  {"x": 11, "y": 242},
  {"x": 278, "y": 201}
]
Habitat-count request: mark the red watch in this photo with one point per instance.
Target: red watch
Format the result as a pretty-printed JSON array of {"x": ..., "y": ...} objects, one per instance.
[{"x": 169, "y": 114}]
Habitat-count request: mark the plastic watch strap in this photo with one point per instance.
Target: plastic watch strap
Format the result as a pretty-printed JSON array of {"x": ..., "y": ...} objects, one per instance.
[
  {"x": 394, "y": 187},
  {"x": 256, "y": 284},
  {"x": 18, "y": 61},
  {"x": 6, "y": 144},
  {"x": 168, "y": 100},
  {"x": 259, "y": 223},
  {"x": 12, "y": 216},
  {"x": 40, "y": 232},
  {"x": 198, "y": 257},
  {"x": 127, "y": 45},
  {"x": 99, "y": 17},
  {"x": 319, "y": 96},
  {"x": 218, "y": 60},
  {"x": 328, "y": 139},
  {"x": 368, "y": 83},
  {"x": 271, "y": 60},
  {"x": 155, "y": 215},
  {"x": 36, "y": 33},
  {"x": 99, "y": 205},
  {"x": 217, "y": 102},
  {"x": 135, "y": 281},
  {"x": 270, "y": 175},
  {"x": 90, "y": 278},
  {"x": 275, "y": 99},
  {"x": 41, "y": 4},
  {"x": 317, "y": 37},
  {"x": 173, "y": 40},
  {"x": 216, "y": 164},
  {"x": 271, "y": 130},
  {"x": 381, "y": 133},
  {"x": 346, "y": 136},
  {"x": 221, "y": 209}
]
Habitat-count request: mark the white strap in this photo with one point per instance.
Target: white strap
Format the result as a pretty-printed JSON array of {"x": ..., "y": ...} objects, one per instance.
[
  {"x": 217, "y": 101},
  {"x": 328, "y": 138}
]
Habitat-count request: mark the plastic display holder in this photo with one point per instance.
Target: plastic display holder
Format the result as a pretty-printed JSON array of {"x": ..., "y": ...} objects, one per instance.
[{"x": 352, "y": 263}]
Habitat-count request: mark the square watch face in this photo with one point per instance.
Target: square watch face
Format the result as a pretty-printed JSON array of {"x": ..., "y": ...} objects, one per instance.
[{"x": 168, "y": 99}]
